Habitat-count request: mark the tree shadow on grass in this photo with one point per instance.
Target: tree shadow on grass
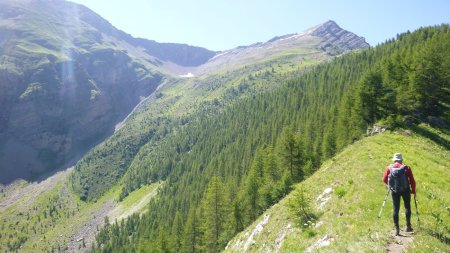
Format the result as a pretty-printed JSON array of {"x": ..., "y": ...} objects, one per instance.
[
  {"x": 432, "y": 136},
  {"x": 440, "y": 236}
]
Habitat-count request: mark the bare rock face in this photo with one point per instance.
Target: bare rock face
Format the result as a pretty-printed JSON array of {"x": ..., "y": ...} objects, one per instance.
[
  {"x": 336, "y": 36},
  {"x": 60, "y": 109}
]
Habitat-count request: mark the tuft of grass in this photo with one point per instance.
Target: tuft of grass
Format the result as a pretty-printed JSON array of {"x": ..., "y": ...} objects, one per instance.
[{"x": 340, "y": 192}]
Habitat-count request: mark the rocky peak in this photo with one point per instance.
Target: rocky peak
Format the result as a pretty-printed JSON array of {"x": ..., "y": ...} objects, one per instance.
[{"x": 333, "y": 34}]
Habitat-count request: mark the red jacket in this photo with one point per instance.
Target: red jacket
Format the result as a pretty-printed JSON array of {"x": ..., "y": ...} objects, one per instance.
[{"x": 408, "y": 173}]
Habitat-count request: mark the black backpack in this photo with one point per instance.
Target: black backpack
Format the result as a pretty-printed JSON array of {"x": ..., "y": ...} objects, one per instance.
[{"x": 397, "y": 179}]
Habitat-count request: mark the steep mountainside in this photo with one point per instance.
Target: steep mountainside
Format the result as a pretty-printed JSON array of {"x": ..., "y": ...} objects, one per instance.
[
  {"x": 67, "y": 76},
  {"x": 208, "y": 152},
  {"x": 341, "y": 202},
  {"x": 227, "y": 77},
  {"x": 50, "y": 206},
  {"x": 336, "y": 38},
  {"x": 327, "y": 37},
  {"x": 225, "y": 163}
]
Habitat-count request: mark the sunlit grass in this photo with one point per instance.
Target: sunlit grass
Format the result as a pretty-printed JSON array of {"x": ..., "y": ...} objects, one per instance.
[{"x": 351, "y": 220}]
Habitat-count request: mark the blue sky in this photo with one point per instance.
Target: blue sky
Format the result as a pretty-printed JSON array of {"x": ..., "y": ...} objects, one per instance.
[{"x": 225, "y": 24}]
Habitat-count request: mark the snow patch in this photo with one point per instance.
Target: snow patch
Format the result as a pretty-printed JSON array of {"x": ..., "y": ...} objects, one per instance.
[
  {"x": 324, "y": 198},
  {"x": 187, "y": 75},
  {"x": 322, "y": 242}
]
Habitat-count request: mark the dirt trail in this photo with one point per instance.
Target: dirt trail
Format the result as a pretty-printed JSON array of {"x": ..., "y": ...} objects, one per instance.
[
  {"x": 399, "y": 244},
  {"x": 114, "y": 211},
  {"x": 120, "y": 212},
  {"x": 28, "y": 194},
  {"x": 89, "y": 230}
]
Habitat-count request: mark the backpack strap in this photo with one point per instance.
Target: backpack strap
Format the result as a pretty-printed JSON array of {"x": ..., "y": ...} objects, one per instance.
[{"x": 391, "y": 166}]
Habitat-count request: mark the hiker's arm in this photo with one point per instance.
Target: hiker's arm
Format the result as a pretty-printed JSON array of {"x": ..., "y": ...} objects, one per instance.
[
  {"x": 411, "y": 180},
  {"x": 385, "y": 176}
]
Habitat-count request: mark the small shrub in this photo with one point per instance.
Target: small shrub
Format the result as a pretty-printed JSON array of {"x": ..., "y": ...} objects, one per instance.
[
  {"x": 309, "y": 232},
  {"x": 340, "y": 192},
  {"x": 300, "y": 206}
]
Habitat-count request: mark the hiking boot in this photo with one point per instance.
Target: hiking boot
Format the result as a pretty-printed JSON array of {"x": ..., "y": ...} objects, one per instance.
[
  {"x": 397, "y": 230},
  {"x": 409, "y": 228}
]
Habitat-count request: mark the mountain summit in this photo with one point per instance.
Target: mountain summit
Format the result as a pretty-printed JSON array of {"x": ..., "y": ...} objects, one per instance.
[
  {"x": 333, "y": 34},
  {"x": 68, "y": 76},
  {"x": 327, "y": 38}
]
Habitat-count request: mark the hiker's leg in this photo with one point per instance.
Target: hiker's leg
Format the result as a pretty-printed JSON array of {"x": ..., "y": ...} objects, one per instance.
[
  {"x": 396, "y": 205},
  {"x": 407, "y": 202}
]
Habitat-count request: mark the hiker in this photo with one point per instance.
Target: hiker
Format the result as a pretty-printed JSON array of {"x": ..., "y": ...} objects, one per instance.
[{"x": 399, "y": 178}]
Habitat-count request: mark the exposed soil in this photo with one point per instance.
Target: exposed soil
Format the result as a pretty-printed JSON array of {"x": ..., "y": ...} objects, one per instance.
[
  {"x": 28, "y": 194},
  {"x": 398, "y": 244}
]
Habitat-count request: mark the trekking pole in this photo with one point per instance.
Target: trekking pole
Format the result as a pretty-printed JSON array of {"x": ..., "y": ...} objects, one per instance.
[
  {"x": 384, "y": 202},
  {"x": 417, "y": 210}
]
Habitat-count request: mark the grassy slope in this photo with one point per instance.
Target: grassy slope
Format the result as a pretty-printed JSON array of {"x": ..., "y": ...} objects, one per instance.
[
  {"x": 18, "y": 220},
  {"x": 351, "y": 221},
  {"x": 135, "y": 202},
  {"x": 180, "y": 98}
]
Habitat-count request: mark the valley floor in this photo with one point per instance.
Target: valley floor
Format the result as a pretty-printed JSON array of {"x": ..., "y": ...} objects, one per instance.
[{"x": 47, "y": 216}]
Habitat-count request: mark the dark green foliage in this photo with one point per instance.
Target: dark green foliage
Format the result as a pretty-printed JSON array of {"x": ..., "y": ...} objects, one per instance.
[
  {"x": 215, "y": 214},
  {"x": 291, "y": 153},
  {"x": 177, "y": 232},
  {"x": 192, "y": 233},
  {"x": 226, "y": 163}
]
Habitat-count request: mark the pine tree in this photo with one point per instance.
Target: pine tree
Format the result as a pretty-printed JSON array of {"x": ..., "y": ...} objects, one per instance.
[
  {"x": 162, "y": 242},
  {"x": 300, "y": 156},
  {"x": 431, "y": 80},
  {"x": 300, "y": 205},
  {"x": 238, "y": 218},
  {"x": 177, "y": 232},
  {"x": 329, "y": 143},
  {"x": 253, "y": 185},
  {"x": 289, "y": 151},
  {"x": 216, "y": 211},
  {"x": 191, "y": 233},
  {"x": 271, "y": 177}
]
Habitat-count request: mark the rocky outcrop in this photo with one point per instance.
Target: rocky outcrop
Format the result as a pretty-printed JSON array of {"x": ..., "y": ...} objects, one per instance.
[
  {"x": 180, "y": 54},
  {"x": 337, "y": 38}
]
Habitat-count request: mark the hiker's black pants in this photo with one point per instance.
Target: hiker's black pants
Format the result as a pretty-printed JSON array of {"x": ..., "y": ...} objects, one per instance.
[{"x": 406, "y": 201}]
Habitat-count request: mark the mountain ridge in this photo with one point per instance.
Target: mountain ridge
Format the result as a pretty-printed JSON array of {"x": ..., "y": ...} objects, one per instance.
[
  {"x": 326, "y": 37},
  {"x": 65, "y": 84},
  {"x": 226, "y": 77},
  {"x": 70, "y": 76},
  {"x": 334, "y": 34},
  {"x": 344, "y": 207},
  {"x": 222, "y": 139},
  {"x": 250, "y": 152}
]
